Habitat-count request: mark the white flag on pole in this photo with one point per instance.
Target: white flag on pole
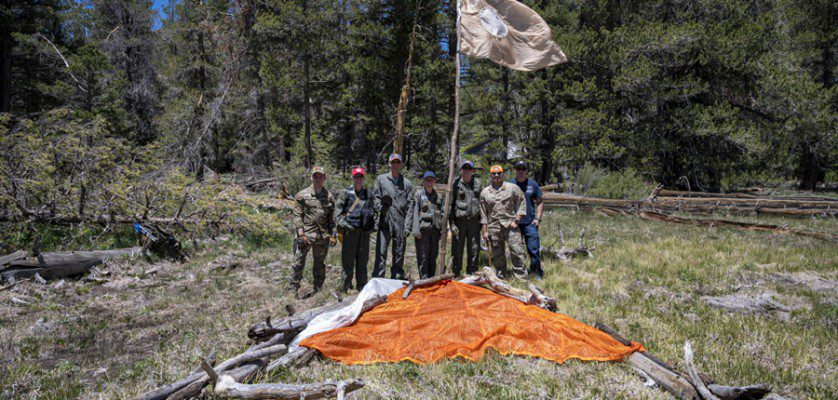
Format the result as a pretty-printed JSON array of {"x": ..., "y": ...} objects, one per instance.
[{"x": 508, "y": 33}]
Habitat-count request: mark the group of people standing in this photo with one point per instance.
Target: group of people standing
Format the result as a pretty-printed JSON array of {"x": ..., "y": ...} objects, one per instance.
[{"x": 504, "y": 214}]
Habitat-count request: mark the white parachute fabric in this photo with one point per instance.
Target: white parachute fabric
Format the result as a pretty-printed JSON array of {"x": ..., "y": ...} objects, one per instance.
[
  {"x": 508, "y": 33},
  {"x": 347, "y": 315}
]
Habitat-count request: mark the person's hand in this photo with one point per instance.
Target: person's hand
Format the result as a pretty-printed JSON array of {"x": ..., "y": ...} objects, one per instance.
[
  {"x": 303, "y": 240},
  {"x": 513, "y": 225},
  {"x": 536, "y": 222},
  {"x": 454, "y": 230},
  {"x": 486, "y": 237},
  {"x": 418, "y": 236},
  {"x": 333, "y": 240}
]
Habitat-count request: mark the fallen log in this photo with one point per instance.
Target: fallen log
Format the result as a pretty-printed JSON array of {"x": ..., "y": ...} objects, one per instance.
[
  {"x": 489, "y": 279},
  {"x": 425, "y": 282},
  {"x": 163, "y": 392},
  {"x": 195, "y": 387},
  {"x": 293, "y": 324},
  {"x": 752, "y": 392},
  {"x": 693, "y": 371},
  {"x": 653, "y": 216},
  {"x": 298, "y": 358},
  {"x": 734, "y": 195},
  {"x": 681, "y": 385},
  {"x": 61, "y": 264},
  {"x": 20, "y": 254},
  {"x": 666, "y": 377},
  {"x": 763, "y": 202},
  {"x": 678, "y": 204},
  {"x": 681, "y": 193},
  {"x": 227, "y": 387}
]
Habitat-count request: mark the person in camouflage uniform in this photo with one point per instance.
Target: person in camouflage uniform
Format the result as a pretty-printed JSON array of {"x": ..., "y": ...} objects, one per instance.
[
  {"x": 424, "y": 222},
  {"x": 465, "y": 219},
  {"x": 391, "y": 196},
  {"x": 502, "y": 206},
  {"x": 314, "y": 221},
  {"x": 355, "y": 247}
]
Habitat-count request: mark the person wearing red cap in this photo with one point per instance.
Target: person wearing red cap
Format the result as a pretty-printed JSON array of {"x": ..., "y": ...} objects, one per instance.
[{"x": 356, "y": 219}]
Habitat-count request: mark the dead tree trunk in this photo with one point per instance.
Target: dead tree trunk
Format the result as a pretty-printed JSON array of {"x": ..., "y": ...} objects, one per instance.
[
  {"x": 61, "y": 265},
  {"x": 227, "y": 387},
  {"x": 293, "y": 324}
]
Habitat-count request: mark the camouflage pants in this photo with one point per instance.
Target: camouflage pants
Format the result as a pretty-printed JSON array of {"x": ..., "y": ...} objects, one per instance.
[
  {"x": 319, "y": 249},
  {"x": 499, "y": 240}
]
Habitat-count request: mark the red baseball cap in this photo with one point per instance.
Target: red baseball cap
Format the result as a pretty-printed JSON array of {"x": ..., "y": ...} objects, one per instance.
[{"x": 358, "y": 170}]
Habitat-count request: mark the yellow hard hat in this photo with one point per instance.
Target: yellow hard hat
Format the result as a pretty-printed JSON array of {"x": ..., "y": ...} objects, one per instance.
[{"x": 496, "y": 168}]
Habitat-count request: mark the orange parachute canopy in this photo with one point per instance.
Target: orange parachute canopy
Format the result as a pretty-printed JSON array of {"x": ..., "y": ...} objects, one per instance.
[{"x": 453, "y": 319}]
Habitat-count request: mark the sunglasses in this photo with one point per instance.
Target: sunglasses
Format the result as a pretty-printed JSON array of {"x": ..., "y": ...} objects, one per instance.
[
  {"x": 497, "y": 173},
  {"x": 396, "y": 162}
]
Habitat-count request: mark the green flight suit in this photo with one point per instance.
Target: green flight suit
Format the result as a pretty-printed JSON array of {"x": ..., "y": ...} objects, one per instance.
[
  {"x": 465, "y": 216},
  {"x": 424, "y": 222}
]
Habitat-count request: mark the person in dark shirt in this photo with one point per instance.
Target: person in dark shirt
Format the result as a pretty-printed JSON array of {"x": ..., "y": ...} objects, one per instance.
[
  {"x": 529, "y": 224},
  {"x": 356, "y": 237}
]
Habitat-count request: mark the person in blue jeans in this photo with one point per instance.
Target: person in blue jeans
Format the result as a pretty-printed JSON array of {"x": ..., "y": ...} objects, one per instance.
[{"x": 529, "y": 224}]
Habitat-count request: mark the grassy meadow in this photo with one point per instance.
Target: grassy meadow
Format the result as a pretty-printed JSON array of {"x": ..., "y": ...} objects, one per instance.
[{"x": 651, "y": 281}]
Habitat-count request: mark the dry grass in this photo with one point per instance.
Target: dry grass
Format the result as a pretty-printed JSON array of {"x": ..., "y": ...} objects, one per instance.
[{"x": 648, "y": 280}]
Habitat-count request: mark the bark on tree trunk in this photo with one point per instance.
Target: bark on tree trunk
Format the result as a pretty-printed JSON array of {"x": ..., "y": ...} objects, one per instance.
[{"x": 307, "y": 107}]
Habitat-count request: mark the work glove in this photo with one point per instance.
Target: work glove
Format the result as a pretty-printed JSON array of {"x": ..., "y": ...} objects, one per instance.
[
  {"x": 346, "y": 226},
  {"x": 302, "y": 240},
  {"x": 333, "y": 241}
]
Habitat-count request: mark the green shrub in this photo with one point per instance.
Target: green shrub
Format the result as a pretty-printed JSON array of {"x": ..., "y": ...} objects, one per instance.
[
  {"x": 626, "y": 184},
  {"x": 594, "y": 181},
  {"x": 585, "y": 178}
]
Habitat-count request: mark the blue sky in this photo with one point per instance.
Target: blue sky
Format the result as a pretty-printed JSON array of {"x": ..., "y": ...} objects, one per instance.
[{"x": 158, "y": 6}]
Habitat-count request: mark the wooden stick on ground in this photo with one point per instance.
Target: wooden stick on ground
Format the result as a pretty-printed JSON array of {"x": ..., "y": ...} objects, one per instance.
[
  {"x": 195, "y": 387},
  {"x": 653, "y": 216},
  {"x": 20, "y": 254},
  {"x": 162, "y": 393},
  {"x": 740, "y": 393},
  {"x": 488, "y": 278},
  {"x": 299, "y": 357},
  {"x": 665, "y": 376},
  {"x": 425, "y": 282},
  {"x": 696, "y": 379},
  {"x": 292, "y": 324},
  {"x": 227, "y": 387}
]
